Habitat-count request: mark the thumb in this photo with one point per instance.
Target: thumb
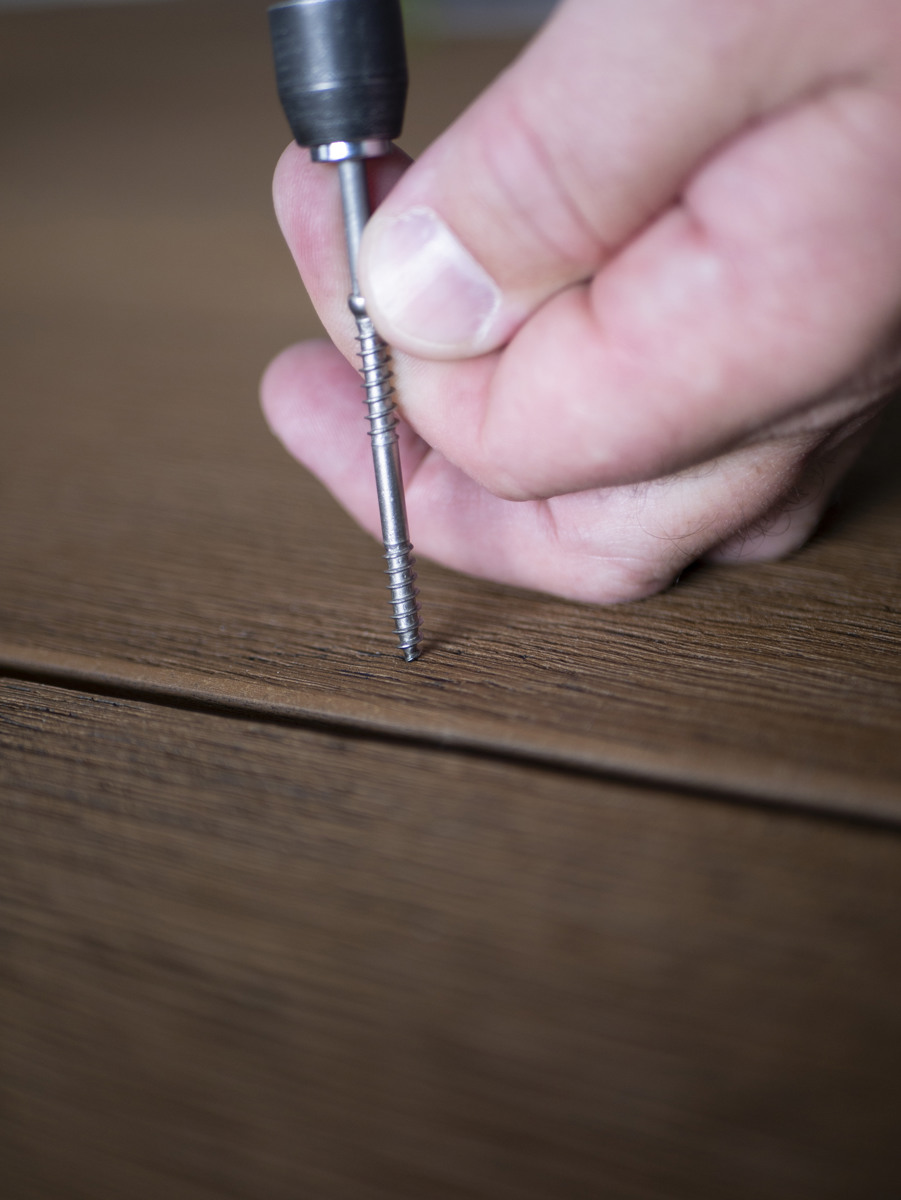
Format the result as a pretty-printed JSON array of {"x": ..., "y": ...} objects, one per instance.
[{"x": 592, "y": 133}]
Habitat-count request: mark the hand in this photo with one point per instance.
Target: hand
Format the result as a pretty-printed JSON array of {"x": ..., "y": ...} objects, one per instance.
[{"x": 644, "y": 294}]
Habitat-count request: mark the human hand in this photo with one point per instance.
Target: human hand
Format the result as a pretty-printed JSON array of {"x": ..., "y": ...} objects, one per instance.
[{"x": 644, "y": 295}]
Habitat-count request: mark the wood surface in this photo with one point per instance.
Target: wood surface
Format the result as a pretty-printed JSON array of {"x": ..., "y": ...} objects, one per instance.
[
  {"x": 248, "y": 959},
  {"x": 588, "y": 902}
]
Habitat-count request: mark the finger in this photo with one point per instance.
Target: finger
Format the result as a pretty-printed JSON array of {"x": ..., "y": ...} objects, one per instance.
[
  {"x": 604, "y": 546},
  {"x": 614, "y": 545},
  {"x": 807, "y": 491},
  {"x": 592, "y": 133},
  {"x": 307, "y": 200},
  {"x": 307, "y": 203},
  {"x": 313, "y": 402}
]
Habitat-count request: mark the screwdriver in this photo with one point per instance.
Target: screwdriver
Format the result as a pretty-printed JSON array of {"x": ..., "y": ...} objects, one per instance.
[{"x": 341, "y": 71}]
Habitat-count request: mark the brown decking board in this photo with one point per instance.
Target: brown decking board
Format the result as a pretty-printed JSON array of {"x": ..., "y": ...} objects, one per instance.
[{"x": 247, "y": 960}]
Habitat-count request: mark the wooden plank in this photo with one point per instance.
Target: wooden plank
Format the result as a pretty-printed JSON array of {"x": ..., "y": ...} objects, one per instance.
[
  {"x": 252, "y": 960},
  {"x": 154, "y": 536}
]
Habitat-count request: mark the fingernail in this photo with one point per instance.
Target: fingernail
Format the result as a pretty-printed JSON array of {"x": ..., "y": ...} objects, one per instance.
[{"x": 425, "y": 286}]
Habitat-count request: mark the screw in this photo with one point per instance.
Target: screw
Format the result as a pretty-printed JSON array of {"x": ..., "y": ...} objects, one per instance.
[{"x": 375, "y": 368}]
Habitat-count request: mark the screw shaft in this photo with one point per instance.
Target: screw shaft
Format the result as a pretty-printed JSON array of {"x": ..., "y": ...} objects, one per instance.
[{"x": 377, "y": 374}]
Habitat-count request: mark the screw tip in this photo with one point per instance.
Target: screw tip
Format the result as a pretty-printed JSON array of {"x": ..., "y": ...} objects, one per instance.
[{"x": 411, "y": 653}]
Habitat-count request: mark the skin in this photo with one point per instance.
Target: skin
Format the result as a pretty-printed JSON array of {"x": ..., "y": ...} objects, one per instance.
[{"x": 679, "y": 305}]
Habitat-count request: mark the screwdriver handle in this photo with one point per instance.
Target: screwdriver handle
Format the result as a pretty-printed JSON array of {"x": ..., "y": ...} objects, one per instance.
[{"x": 341, "y": 70}]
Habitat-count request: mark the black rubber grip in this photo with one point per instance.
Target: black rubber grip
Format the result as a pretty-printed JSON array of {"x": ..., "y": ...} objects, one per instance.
[{"x": 341, "y": 68}]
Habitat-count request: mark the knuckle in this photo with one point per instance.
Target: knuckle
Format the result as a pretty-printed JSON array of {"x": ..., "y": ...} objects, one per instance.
[{"x": 623, "y": 580}]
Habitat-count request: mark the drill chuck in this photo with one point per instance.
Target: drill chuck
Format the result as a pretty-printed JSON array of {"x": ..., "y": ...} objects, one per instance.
[{"x": 341, "y": 69}]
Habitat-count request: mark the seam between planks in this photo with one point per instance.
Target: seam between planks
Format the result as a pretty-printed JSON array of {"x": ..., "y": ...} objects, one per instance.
[{"x": 868, "y": 818}]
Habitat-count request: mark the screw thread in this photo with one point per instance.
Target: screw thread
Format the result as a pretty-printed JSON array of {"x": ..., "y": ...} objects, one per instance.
[
  {"x": 381, "y": 413},
  {"x": 404, "y": 598},
  {"x": 378, "y": 381}
]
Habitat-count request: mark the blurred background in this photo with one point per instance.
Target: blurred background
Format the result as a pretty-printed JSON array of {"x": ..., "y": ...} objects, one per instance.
[{"x": 459, "y": 17}]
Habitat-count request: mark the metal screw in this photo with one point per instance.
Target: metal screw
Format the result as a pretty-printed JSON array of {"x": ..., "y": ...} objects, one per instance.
[{"x": 375, "y": 368}]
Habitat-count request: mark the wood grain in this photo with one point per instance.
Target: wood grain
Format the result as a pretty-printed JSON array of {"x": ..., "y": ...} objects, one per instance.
[
  {"x": 243, "y": 959},
  {"x": 154, "y": 536}
]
